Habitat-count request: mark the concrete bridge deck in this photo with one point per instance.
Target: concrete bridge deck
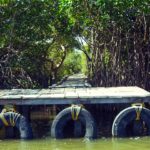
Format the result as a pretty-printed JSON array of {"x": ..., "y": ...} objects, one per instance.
[
  {"x": 74, "y": 90},
  {"x": 87, "y": 95}
]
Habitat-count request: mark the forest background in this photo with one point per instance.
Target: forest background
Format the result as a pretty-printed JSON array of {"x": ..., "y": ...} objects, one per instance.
[{"x": 43, "y": 41}]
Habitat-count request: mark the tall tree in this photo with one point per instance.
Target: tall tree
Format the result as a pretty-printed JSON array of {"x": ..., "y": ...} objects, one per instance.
[
  {"x": 117, "y": 34},
  {"x": 35, "y": 37}
]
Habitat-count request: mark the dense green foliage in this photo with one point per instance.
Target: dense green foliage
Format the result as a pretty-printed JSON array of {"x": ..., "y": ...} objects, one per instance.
[
  {"x": 118, "y": 36},
  {"x": 72, "y": 64},
  {"x": 38, "y": 39},
  {"x": 35, "y": 39}
]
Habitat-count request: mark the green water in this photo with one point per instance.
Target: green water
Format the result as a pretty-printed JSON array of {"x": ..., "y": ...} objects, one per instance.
[{"x": 77, "y": 144}]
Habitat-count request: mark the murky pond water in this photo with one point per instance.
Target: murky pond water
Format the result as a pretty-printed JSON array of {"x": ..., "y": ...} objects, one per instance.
[{"x": 77, "y": 144}]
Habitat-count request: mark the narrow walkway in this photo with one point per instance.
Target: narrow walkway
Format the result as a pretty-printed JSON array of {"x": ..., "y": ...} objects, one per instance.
[{"x": 76, "y": 80}]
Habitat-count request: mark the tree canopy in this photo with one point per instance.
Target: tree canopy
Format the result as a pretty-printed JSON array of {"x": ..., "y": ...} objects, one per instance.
[{"x": 39, "y": 40}]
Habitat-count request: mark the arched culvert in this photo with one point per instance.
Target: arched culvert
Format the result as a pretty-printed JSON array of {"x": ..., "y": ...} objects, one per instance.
[
  {"x": 13, "y": 119},
  {"x": 81, "y": 122},
  {"x": 132, "y": 121}
]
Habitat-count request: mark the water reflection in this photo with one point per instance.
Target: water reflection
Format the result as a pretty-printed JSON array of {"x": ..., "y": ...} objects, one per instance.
[
  {"x": 24, "y": 145},
  {"x": 77, "y": 144},
  {"x": 135, "y": 143}
]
